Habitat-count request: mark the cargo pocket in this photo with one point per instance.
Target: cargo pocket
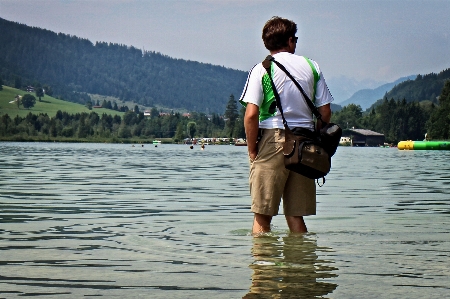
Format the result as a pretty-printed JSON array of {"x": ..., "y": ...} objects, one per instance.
[{"x": 279, "y": 140}]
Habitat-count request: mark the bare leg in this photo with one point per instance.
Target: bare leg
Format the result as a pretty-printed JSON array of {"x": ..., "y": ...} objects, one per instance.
[
  {"x": 296, "y": 224},
  {"x": 261, "y": 223}
]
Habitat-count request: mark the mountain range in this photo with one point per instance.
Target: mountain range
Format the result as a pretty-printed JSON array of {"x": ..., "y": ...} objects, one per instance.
[
  {"x": 366, "y": 97},
  {"x": 343, "y": 87}
]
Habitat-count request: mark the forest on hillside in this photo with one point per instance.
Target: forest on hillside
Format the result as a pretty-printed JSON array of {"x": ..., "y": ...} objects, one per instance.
[
  {"x": 424, "y": 88},
  {"x": 68, "y": 64}
]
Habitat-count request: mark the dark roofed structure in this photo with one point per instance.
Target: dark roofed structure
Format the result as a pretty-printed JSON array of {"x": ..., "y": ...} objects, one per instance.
[{"x": 362, "y": 137}]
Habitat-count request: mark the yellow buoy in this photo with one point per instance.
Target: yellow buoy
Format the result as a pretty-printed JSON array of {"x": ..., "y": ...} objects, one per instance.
[{"x": 406, "y": 145}]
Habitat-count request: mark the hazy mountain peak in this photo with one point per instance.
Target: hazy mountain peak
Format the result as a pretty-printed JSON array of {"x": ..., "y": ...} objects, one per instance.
[
  {"x": 366, "y": 97},
  {"x": 344, "y": 87}
]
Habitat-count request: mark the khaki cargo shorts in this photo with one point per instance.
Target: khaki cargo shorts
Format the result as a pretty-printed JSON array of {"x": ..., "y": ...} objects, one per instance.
[{"x": 270, "y": 181}]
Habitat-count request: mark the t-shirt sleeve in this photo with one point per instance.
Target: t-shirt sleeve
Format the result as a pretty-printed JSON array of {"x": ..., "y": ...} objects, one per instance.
[
  {"x": 323, "y": 95},
  {"x": 253, "y": 91}
]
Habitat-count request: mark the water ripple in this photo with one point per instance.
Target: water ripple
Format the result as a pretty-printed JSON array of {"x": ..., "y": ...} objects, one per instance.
[{"x": 170, "y": 222}]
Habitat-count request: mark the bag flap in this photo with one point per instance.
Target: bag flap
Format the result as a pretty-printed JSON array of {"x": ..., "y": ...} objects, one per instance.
[{"x": 289, "y": 147}]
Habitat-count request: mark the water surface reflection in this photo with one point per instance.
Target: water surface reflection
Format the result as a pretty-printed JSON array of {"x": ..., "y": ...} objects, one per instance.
[{"x": 290, "y": 267}]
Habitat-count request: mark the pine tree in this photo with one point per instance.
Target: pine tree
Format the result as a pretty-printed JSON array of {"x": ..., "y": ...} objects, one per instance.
[
  {"x": 438, "y": 126},
  {"x": 231, "y": 114}
]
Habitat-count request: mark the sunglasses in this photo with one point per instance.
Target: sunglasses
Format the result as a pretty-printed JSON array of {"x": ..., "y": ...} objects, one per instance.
[{"x": 294, "y": 39}]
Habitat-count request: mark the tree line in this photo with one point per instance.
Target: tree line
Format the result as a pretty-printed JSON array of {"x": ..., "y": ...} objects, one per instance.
[{"x": 133, "y": 126}]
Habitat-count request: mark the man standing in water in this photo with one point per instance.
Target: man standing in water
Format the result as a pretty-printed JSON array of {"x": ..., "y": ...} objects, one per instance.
[{"x": 269, "y": 179}]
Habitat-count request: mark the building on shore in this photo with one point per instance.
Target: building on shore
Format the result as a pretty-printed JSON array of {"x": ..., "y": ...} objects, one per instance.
[{"x": 362, "y": 137}]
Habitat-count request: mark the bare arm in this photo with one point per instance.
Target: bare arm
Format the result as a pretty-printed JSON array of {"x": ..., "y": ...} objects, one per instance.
[
  {"x": 325, "y": 111},
  {"x": 251, "y": 124}
]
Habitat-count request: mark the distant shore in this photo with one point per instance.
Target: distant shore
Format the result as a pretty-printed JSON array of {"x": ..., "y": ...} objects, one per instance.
[
  {"x": 85, "y": 140},
  {"x": 104, "y": 140}
]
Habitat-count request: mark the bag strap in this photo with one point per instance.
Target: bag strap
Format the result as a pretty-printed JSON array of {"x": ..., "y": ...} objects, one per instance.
[{"x": 266, "y": 65}]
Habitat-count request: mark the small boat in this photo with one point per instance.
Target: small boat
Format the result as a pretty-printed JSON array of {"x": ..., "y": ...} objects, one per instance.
[
  {"x": 240, "y": 142},
  {"x": 156, "y": 141}
]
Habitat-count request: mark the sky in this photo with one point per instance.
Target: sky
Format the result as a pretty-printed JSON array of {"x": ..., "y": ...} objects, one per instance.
[{"x": 366, "y": 40}]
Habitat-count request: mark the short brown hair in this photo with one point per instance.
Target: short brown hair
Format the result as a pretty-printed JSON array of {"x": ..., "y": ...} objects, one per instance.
[{"x": 276, "y": 33}]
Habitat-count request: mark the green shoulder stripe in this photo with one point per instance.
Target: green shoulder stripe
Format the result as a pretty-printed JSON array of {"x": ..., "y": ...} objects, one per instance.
[
  {"x": 269, "y": 97},
  {"x": 316, "y": 78}
]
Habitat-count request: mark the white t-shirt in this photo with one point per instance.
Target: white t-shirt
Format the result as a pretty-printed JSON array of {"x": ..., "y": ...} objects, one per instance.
[{"x": 295, "y": 109}]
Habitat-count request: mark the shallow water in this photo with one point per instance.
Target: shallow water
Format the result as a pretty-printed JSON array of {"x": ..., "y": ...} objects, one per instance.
[{"x": 112, "y": 220}]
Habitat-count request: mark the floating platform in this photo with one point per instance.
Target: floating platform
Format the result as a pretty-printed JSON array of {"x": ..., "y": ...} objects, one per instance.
[{"x": 423, "y": 145}]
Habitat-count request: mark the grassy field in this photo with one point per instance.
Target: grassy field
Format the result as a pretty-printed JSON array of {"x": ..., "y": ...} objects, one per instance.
[{"x": 48, "y": 105}]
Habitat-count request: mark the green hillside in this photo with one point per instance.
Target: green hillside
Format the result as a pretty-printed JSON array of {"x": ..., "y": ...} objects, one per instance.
[
  {"x": 48, "y": 105},
  {"x": 68, "y": 64},
  {"x": 425, "y": 88},
  {"x": 56, "y": 120}
]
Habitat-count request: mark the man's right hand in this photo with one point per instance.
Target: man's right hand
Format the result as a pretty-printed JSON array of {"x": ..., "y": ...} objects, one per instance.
[{"x": 252, "y": 155}]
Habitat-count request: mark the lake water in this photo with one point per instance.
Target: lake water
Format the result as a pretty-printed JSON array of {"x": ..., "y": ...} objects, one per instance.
[{"x": 116, "y": 221}]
